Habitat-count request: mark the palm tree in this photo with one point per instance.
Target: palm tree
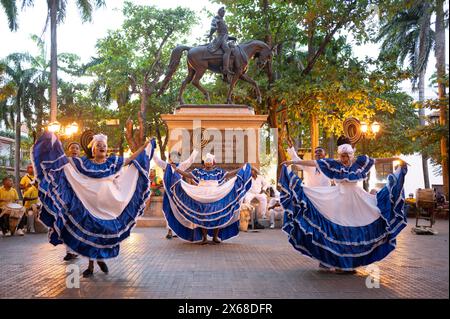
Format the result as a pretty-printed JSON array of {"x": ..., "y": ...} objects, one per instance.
[
  {"x": 409, "y": 35},
  {"x": 21, "y": 77},
  {"x": 56, "y": 14}
]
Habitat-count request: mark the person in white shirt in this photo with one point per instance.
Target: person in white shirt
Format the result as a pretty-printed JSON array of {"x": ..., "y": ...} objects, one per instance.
[
  {"x": 311, "y": 175},
  {"x": 258, "y": 189},
  {"x": 174, "y": 159},
  {"x": 275, "y": 208}
]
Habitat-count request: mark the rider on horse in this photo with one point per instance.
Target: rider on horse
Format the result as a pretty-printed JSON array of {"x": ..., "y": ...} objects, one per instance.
[{"x": 221, "y": 41}]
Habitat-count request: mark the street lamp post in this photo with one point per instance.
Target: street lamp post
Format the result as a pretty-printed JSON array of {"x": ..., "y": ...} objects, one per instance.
[
  {"x": 67, "y": 130},
  {"x": 369, "y": 131}
]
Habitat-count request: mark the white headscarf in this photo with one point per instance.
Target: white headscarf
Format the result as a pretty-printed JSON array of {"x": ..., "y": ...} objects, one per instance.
[
  {"x": 347, "y": 149},
  {"x": 210, "y": 158},
  {"x": 98, "y": 138}
]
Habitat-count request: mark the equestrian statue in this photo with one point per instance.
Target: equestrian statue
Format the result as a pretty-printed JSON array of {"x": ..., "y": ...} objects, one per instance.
[{"x": 219, "y": 56}]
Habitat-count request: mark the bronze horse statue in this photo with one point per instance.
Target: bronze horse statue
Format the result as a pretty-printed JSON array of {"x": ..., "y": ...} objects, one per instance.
[{"x": 199, "y": 59}]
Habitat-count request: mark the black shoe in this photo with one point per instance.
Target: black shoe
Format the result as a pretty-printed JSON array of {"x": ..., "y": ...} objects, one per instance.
[
  {"x": 259, "y": 226},
  {"x": 169, "y": 236},
  {"x": 216, "y": 241},
  {"x": 70, "y": 256},
  {"x": 88, "y": 273},
  {"x": 345, "y": 272},
  {"x": 103, "y": 266}
]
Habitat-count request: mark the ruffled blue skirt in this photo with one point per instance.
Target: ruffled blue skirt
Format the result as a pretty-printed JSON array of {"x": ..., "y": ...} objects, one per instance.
[
  {"x": 342, "y": 247},
  {"x": 69, "y": 222},
  {"x": 216, "y": 215}
]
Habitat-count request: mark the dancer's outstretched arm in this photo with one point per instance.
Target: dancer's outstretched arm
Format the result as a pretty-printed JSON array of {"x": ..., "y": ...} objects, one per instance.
[
  {"x": 185, "y": 174},
  {"x": 135, "y": 154},
  {"x": 232, "y": 173},
  {"x": 390, "y": 160},
  {"x": 300, "y": 162},
  {"x": 162, "y": 164},
  {"x": 187, "y": 163}
]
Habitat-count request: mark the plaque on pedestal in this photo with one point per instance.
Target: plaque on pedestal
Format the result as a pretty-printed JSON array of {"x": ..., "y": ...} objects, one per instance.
[{"x": 230, "y": 132}]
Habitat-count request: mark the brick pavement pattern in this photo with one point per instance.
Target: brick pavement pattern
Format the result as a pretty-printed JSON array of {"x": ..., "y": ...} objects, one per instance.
[{"x": 253, "y": 265}]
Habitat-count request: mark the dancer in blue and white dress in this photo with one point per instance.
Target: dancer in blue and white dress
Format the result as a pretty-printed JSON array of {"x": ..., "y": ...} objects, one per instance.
[
  {"x": 343, "y": 226},
  {"x": 174, "y": 160},
  {"x": 90, "y": 205},
  {"x": 211, "y": 207}
]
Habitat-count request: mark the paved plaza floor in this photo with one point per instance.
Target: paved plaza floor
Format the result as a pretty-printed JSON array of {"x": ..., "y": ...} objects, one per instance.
[{"x": 253, "y": 265}]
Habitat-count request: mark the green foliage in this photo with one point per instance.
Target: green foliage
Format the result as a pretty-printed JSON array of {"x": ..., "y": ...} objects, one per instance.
[
  {"x": 85, "y": 8},
  {"x": 131, "y": 61},
  {"x": 406, "y": 33},
  {"x": 334, "y": 86},
  {"x": 429, "y": 136},
  {"x": 397, "y": 134}
]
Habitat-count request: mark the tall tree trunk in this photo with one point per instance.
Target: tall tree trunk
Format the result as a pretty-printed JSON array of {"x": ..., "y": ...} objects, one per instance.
[
  {"x": 440, "y": 67},
  {"x": 314, "y": 129},
  {"x": 54, "y": 61},
  {"x": 272, "y": 103},
  {"x": 17, "y": 143},
  {"x": 273, "y": 123},
  {"x": 331, "y": 146},
  {"x": 314, "y": 125},
  {"x": 426, "y": 177},
  {"x": 143, "y": 113},
  {"x": 39, "y": 118}
]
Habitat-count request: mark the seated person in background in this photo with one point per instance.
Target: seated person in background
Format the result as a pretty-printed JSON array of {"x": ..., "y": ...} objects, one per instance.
[
  {"x": 410, "y": 200},
  {"x": 257, "y": 191},
  {"x": 275, "y": 208},
  {"x": 8, "y": 194},
  {"x": 440, "y": 198},
  {"x": 155, "y": 183},
  {"x": 27, "y": 179},
  {"x": 31, "y": 204}
]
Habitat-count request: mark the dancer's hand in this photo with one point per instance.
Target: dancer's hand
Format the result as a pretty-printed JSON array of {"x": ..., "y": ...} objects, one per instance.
[
  {"x": 290, "y": 141},
  {"x": 402, "y": 162}
]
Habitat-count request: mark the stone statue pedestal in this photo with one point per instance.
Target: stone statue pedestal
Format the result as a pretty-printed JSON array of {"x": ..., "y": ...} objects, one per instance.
[
  {"x": 231, "y": 132},
  {"x": 153, "y": 214}
]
